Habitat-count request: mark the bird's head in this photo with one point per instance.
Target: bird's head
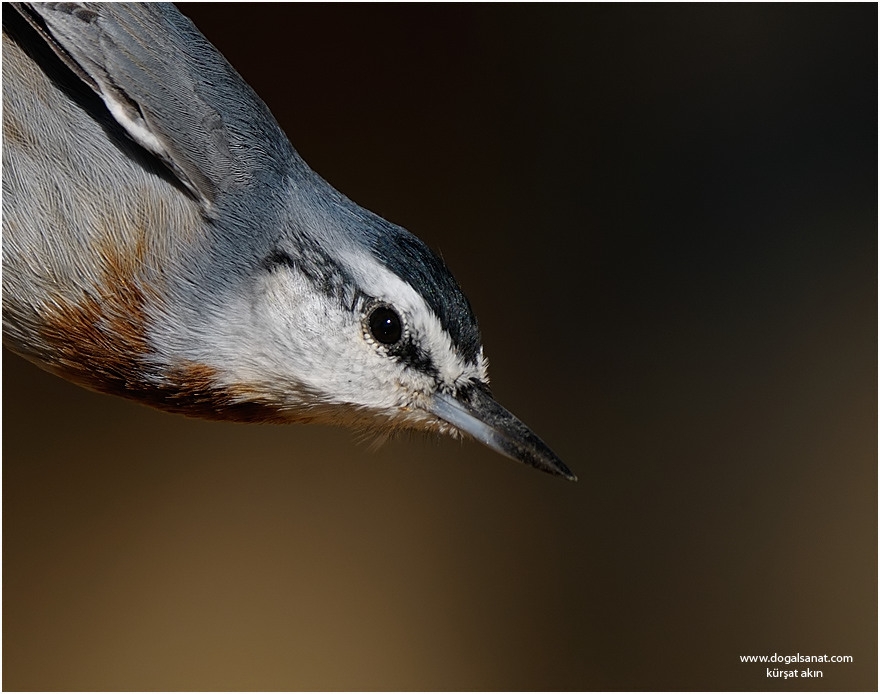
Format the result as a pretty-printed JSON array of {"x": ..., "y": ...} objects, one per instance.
[
  {"x": 355, "y": 321},
  {"x": 205, "y": 268}
]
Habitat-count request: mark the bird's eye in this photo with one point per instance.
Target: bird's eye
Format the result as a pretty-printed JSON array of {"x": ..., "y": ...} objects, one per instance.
[{"x": 385, "y": 325}]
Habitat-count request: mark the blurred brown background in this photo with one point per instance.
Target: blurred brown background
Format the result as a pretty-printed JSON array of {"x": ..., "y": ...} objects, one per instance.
[{"x": 665, "y": 218}]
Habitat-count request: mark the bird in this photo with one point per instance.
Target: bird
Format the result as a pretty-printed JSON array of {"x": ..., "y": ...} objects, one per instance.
[{"x": 163, "y": 241}]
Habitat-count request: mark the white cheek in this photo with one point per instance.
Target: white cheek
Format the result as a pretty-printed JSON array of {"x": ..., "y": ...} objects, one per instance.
[
  {"x": 287, "y": 344},
  {"x": 309, "y": 335},
  {"x": 312, "y": 343}
]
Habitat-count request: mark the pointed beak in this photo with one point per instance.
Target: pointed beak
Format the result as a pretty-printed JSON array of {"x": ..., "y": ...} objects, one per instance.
[{"x": 474, "y": 411}]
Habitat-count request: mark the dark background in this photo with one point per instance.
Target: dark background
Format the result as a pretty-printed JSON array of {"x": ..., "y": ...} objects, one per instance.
[{"x": 665, "y": 218}]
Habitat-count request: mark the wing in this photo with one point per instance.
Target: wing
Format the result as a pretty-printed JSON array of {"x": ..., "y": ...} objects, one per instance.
[{"x": 171, "y": 90}]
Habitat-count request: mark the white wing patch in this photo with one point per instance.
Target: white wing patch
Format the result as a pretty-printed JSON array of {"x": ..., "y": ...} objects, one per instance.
[{"x": 135, "y": 127}]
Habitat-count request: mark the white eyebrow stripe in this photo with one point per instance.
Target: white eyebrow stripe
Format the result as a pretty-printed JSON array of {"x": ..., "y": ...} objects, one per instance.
[{"x": 378, "y": 281}]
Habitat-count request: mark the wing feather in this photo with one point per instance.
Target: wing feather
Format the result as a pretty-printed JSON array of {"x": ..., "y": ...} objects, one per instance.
[{"x": 170, "y": 89}]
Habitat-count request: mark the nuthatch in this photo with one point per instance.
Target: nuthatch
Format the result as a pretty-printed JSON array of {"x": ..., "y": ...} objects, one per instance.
[{"x": 163, "y": 241}]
